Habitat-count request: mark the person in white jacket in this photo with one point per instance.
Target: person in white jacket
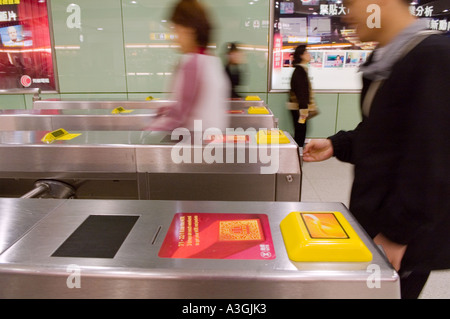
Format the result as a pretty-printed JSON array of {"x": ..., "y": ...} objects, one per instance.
[{"x": 200, "y": 87}]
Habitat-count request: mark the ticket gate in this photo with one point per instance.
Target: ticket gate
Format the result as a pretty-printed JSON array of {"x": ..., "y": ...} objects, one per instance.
[
  {"x": 118, "y": 119},
  {"x": 152, "y": 165},
  {"x": 181, "y": 249}
]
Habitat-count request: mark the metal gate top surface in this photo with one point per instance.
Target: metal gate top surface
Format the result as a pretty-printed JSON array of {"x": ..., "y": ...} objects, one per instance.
[{"x": 143, "y": 264}]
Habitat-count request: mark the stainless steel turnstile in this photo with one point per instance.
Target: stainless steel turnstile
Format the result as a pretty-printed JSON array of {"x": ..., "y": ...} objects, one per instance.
[
  {"x": 103, "y": 119},
  {"x": 60, "y": 257},
  {"x": 151, "y": 165},
  {"x": 128, "y": 104}
]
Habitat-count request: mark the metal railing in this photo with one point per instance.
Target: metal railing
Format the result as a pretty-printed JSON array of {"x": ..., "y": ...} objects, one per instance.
[{"x": 35, "y": 91}]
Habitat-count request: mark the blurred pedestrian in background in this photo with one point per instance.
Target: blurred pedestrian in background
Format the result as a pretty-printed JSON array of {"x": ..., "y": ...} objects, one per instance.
[
  {"x": 200, "y": 87},
  {"x": 233, "y": 68},
  {"x": 300, "y": 93}
]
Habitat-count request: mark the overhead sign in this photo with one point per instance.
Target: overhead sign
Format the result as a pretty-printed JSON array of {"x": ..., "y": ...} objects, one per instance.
[{"x": 335, "y": 49}]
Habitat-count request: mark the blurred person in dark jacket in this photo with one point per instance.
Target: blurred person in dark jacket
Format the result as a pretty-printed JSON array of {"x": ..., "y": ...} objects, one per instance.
[
  {"x": 401, "y": 149},
  {"x": 234, "y": 68}
]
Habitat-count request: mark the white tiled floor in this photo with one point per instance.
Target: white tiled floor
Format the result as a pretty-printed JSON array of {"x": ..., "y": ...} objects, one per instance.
[{"x": 331, "y": 181}]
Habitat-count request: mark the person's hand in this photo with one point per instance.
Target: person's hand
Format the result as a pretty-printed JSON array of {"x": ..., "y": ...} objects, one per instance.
[
  {"x": 317, "y": 150},
  {"x": 394, "y": 251}
]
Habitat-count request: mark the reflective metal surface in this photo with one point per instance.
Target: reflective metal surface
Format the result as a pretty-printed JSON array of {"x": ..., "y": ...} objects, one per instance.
[
  {"x": 27, "y": 269},
  {"x": 105, "y": 104},
  {"x": 34, "y": 91},
  {"x": 151, "y": 165},
  {"x": 18, "y": 216},
  {"x": 51, "y": 189},
  {"x": 98, "y": 119},
  {"x": 102, "y": 119}
]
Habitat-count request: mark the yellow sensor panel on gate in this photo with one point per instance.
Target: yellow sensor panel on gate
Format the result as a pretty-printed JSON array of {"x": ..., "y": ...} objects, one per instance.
[
  {"x": 252, "y": 98},
  {"x": 273, "y": 136},
  {"x": 258, "y": 110},
  {"x": 119, "y": 110},
  {"x": 60, "y": 135},
  {"x": 322, "y": 237}
]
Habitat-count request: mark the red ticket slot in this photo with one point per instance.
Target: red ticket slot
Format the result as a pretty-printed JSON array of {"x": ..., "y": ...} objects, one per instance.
[{"x": 218, "y": 236}]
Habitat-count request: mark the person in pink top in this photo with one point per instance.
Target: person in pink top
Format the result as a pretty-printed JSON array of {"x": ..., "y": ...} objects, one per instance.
[{"x": 200, "y": 88}]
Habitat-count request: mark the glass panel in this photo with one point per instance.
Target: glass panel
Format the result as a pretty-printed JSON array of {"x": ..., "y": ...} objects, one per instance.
[
  {"x": 247, "y": 23},
  {"x": 151, "y": 55},
  {"x": 149, "y": 52},
  {"x": 89, "y": 45}
]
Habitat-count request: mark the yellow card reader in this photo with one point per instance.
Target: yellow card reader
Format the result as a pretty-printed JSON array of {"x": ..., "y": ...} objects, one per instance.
[
  {"x": 272, "y": 136},
  {"x": 322, "y": 237},
  {"x": 258, "y": 110},
  {"x": 59, "y": 134},
  {"x": 252, "y": 98},
  {"x": 120, "y": 110}
]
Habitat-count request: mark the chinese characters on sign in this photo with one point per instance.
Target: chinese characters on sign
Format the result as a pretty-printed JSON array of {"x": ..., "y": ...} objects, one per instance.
[
  {"x": 421, "y": 11},
  {"x": 332, "y": 10},
  {"x": 427, "y": 12},
  {"x": 440, "y": 25},
  {"x": 6, "y": 16},
  {"x": 339, "y": 10},
  {"x": 277, "y": 47},
  {"x": 333, "y": 42},
  {"x": 9, "y": 2}
]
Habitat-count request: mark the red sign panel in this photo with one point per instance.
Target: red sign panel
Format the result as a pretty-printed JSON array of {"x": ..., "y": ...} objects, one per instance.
[
  {"x": 218, "y": 236},
  {"x": 25, "y": 47},
  {"x": 277, "y": 55}
]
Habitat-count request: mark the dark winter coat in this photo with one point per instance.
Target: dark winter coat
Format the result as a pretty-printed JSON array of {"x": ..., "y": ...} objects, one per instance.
[{"x": 401, "y": 153}]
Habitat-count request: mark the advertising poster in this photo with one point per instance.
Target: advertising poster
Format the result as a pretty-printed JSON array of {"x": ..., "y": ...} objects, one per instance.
[
  {"x": 218, "y": 236},
  {"x": 25, "y": 47},
  {"x": 336, "y": 52}
]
